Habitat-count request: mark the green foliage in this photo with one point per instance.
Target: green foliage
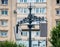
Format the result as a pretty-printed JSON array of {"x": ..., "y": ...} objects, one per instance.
[
  {"x": 55, "y": 36},
  {"x": 10, "y": 44}
]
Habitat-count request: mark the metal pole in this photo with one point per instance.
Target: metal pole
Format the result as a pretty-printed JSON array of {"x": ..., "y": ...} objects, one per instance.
[
  {"x": 30, "y": 37},
  {"x": 30, "y": 26}
]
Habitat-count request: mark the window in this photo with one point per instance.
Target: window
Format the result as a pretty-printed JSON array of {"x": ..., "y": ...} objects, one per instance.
[
  {"x": 19, "y": 10},
  {"x": 37, "y": 1},
  {"x": 25, "y": 1},
  {"x": 57, "y": 22},
  {"x": 3, "y": 33},
  {"x": 4, "y": 12},
  {"x": 34, "y": 10},
  {"x": 43, "y": 43},
  {"x": 37, "y": 33},
  {"x": 24, "y": 33},
  {"x": 21, "y": 1},
  {"x": 3, "y": 22},
  {"x": 40, "y": 10},
  {"x": 58, "y": 1},
  {"x": 41, "y": 1},
  {"x": 37, "y": 10},
  {"x": 34, "y": 43},
  {"x": 4, "y": 1},
  {"x": 22, "y": 11},
  {"x": 25, "y": 10},
  {"x": 43, "y": 10},
  {"x": 58, "y": 11}
]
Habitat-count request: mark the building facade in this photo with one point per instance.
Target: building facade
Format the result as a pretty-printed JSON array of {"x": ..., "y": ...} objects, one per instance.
[
  {"x": 52, "y": 15},
  {"x": 6, "y": 16},
  {"x": 13, "y": 11},
  {"x": 39, "y": 10}
]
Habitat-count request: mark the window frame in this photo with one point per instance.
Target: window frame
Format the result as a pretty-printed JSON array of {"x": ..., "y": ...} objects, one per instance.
[
  {"x": 24, "y": 33},
  {"x": 4, "y": 23},
  {"x": 3, "y": 33},
  {"x": 58, "y": 11},
  {"x": 21, "y": 10},
  {"x": 58, "y": 3},
  {"x": 38, "y": 33},
  {"x": 4, "y": 12},
  {"x": 35, "y": 1},
  {"x": 5, "y": 2},
  {"x": 22, "y": 1}
]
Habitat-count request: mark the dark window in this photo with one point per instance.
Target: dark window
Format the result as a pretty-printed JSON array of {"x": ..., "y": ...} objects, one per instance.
[
  {"x": 58, "y": 1},
  {"x": 4, "y": 12},
  {"x": 37, "y": 33},
  {"x": 4, "y": 1},
  {"x": 58, "y": 11}
]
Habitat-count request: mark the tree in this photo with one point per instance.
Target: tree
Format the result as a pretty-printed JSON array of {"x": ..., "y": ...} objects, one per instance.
[
  {"x": 55, "y": 36},
  {"x": 10, "y": 44}
]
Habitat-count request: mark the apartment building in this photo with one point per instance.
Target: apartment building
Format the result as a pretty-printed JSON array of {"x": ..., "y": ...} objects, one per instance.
[
  {"x": 13, "y": 11},
  {"x": 7, "y": 19}
]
